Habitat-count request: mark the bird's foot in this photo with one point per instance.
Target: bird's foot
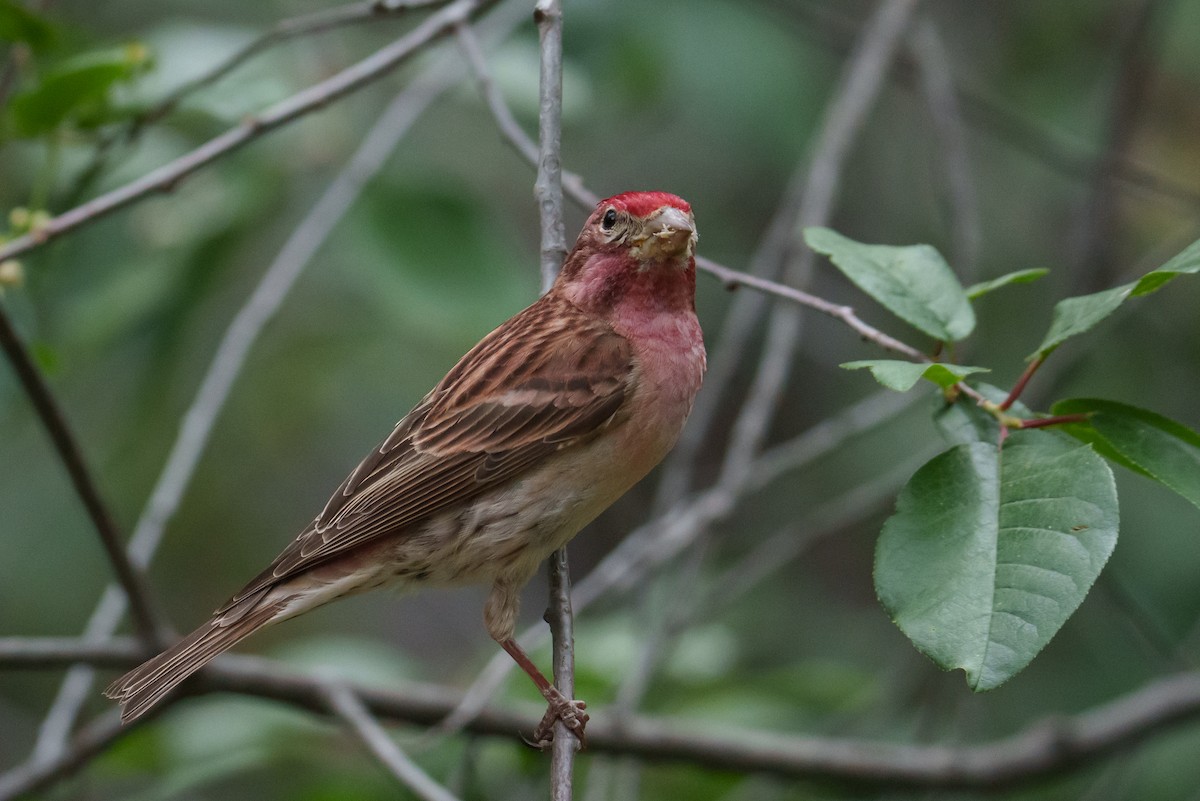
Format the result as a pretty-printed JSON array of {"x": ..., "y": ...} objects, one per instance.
[{"x": 569, "y": 711}]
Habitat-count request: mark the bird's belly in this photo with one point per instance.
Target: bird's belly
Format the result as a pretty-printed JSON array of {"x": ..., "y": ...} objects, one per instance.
[{"x": 507, "y": 532}]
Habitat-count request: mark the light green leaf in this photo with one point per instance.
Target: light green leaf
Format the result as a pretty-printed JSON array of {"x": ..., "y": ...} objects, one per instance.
[
  {"x": 1186, "y": 262},
  {"x": 1019, "y": 277},
  {"x": 1141, "y": 440},
  {"x": 1079, "y": 314},
  {"x": 912, "y": 282},
  {"x": 1076, "y": 315},
  {"x": 987, "y": 557},
  {"x": 75, "y": 89},
  {"x": 903, "y": 376}
]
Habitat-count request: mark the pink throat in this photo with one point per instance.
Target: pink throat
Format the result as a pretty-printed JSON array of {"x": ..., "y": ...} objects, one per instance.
[{"x": 630, "y": 293}]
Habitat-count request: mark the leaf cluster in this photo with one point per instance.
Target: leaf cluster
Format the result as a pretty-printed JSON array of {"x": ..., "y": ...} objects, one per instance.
[{"x": 996, "y": 541}]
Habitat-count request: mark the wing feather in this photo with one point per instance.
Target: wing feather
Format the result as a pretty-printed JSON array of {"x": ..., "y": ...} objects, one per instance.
[{"x": 548, "y": 379}]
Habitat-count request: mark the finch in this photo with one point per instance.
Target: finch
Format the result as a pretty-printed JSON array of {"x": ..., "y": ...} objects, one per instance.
[{"x": 536, "y": 430}]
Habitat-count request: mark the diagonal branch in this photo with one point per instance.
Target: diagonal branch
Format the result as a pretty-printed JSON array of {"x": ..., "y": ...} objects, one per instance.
[
  {"x": 326, "y": 19},
  {"x": 133, "y": 583},
  {"x": 347, "y": 706},
  {"x": 312, "y": 99}
]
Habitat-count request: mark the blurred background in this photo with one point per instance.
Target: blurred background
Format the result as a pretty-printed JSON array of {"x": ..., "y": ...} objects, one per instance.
[{"x": 1080, "y": 155}]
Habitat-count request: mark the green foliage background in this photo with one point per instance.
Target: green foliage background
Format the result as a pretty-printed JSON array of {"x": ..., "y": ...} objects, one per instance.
[{"x": 712, "y": 99}]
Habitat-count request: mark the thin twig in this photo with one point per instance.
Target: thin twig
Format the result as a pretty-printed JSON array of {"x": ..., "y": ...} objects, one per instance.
[
  {"x": 305, "y": 102},
  {"x": 229, "y": 359},
  {"x": 354, "y": 713},
  {"x": 732, "y": 278},
  {"x": 133, "y": 585},
  {"x": 322, "y": 21},
  {"x": 1053, "y": 746},
  {"x": 936, "y": 78}
]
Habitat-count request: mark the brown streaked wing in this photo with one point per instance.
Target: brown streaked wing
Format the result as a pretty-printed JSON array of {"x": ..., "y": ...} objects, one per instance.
[{"x": 547, "y": 379}]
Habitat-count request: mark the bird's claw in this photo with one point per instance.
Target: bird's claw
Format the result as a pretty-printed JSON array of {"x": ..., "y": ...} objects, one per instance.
[{"x": 570, "y": 712}]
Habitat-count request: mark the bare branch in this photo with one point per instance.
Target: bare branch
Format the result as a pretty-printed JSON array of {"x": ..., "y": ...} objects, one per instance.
[
  {"x": 549, "y": 192},
  {"x": 229, "y": 359},
  {"x": 132, "y": 582},
  {"x": 311, "y": 99},
  {"x": 562, "y": 635},
  {"x": 864, "y": 78},
  {"x": 354, "y": 713},
  {"x": 93, "y": 740},
  {"x": 510, "y": 129},
  {"x": 548, "y": 187},
  {"x": 732, "y": 279},
  {"x": 1053, "y": 746},
  {"x": 949, "y": 129},
  {"x": 327, "y": 19}
]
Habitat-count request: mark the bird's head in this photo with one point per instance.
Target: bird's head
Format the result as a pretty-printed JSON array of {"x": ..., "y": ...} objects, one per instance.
[{"x": 637, "y": 246}]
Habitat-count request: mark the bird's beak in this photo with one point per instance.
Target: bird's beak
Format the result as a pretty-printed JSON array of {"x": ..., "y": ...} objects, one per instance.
[{"x": 668, "y": 232}]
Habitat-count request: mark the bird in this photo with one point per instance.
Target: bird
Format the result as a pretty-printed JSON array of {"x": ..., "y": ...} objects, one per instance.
[{"x": 540, "y": 427}]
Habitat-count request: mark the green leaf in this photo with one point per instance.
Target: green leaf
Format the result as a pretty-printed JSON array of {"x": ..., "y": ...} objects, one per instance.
[
  {"x": 1019, "y": 277},
  {"x": 1079, "y": 314},
  {"x": 912, "y": 282},
  {"x": 1141, "y": 440},
  {"x": 19, "y": 24},
  {"x": 1185, "y": 263},
  {"x": 76, "y": 88},
  {"x": 903, "y": 376},
  {"x": 987, "y": 557}
]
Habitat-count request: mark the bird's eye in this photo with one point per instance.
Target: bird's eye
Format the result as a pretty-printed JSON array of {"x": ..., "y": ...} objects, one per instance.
[{"x": 610, "y": 219}]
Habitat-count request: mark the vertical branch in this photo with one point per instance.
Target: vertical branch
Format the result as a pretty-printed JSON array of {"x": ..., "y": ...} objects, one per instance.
[
  {"x": 548, "y": 190},
  {"x": 133, "y": 583},
  {"x": 559, "y": 616},
  {"x": 548, "y": 187}
]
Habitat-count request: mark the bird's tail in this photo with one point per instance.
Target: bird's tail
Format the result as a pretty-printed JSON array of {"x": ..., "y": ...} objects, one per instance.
[{"x": 145, "y": 685}]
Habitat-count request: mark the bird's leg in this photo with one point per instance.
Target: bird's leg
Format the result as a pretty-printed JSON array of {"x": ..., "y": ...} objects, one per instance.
[{"x": 568, "y": 710}]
